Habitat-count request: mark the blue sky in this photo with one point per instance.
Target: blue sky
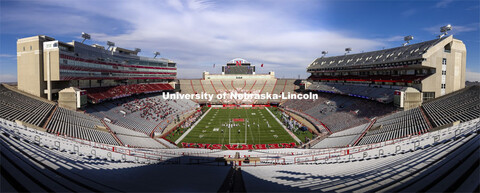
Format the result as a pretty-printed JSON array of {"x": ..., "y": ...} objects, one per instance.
[{"x": 284, "y": 35}]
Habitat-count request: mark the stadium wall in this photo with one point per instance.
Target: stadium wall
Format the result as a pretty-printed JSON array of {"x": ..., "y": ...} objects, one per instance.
[
  {"x": 455, "y": 67},
  {"x": 30, "y": 65}
]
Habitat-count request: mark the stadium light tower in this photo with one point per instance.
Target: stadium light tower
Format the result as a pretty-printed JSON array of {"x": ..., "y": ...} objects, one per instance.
[
  {"x": 110, "y": 44},
  {"x": 347, "y": 50},
  {"x": 444, "y": 30},
  {"x": 156, "y": 54},
  {"x": 407, "y": 40},
  {"x": 138, "y": 50},
  {"x": 85, "y": 36},
  {"x": 324, "y": 53}
]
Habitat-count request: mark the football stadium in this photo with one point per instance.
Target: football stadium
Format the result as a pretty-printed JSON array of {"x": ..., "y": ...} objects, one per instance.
[{"x": 85, "y": 117}]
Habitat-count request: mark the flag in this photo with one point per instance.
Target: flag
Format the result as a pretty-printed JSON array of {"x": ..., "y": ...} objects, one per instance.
[{"x": 261, "y": 65}]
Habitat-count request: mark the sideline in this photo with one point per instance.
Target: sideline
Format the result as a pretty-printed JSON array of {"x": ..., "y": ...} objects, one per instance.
[
  {"x": 191, "y": 128},
  {"x": 284, "y": 127}
]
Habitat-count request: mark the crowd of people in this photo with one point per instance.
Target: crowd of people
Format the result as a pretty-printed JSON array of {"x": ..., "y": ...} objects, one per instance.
[
  {"x": 189, "y": 121},
  {"x": 153, "y": 108},
  {"x": 292, "y": 124},
  {"x": 177, "y": 132}
]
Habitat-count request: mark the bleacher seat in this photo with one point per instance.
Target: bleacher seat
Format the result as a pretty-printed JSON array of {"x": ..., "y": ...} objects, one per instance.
[
  {"x": 142, "y": 113},
  {"x": 463, "y": 105},
  {"x": 79, "y": 125},
  {"x": 16, "y": 106},
  {"x": 339, "y": 112},
  {"x": 380, "y": 94}
]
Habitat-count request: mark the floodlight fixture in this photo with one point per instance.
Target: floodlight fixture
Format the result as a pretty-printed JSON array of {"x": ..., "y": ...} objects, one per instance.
[
  {"x": 407, "y": 39},
  {"x": 85, "y": 36},
  {"x": 156, "y": 54},
  {"x": 444, "y": 30},
  {"x": 110, "y": 44},
  {"x": 348, "y": 50},
  {"x": 324, "y": 53}
]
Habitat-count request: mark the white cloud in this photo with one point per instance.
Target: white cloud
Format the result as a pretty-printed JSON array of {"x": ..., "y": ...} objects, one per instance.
[
  {"x": 472, "y": 76},
  {"x": 456, "y": 29},
  {"x": 469, "y": 28},
  {"x": 7, "y": 56},
  {"x": 8, "y": 78},
  {"x": 409, "y": 12},
  {"x": 175, "y": 4},
  {"x": 390, "y": 39},
  {"x": 197, "y": 34},
  {"x": 472, "y": 8},
  {"x": 443, "y": 3},
  {"x": 198, "y": 4}
]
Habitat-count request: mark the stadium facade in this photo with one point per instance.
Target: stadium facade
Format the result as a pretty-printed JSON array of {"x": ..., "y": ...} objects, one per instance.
[
  {"x": 413, "y": 73},
  {"x": 46, "y": 66}
]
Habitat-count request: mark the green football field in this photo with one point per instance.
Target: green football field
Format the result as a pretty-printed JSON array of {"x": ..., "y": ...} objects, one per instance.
[{"x": 238, "y": 126}]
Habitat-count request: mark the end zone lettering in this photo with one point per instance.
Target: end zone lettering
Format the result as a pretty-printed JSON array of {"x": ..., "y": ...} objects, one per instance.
[{"x": 238, "y": 147}]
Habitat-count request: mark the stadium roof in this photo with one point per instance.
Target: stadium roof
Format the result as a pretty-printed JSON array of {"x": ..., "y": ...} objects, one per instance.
[{"x": 409, "y": 52}]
